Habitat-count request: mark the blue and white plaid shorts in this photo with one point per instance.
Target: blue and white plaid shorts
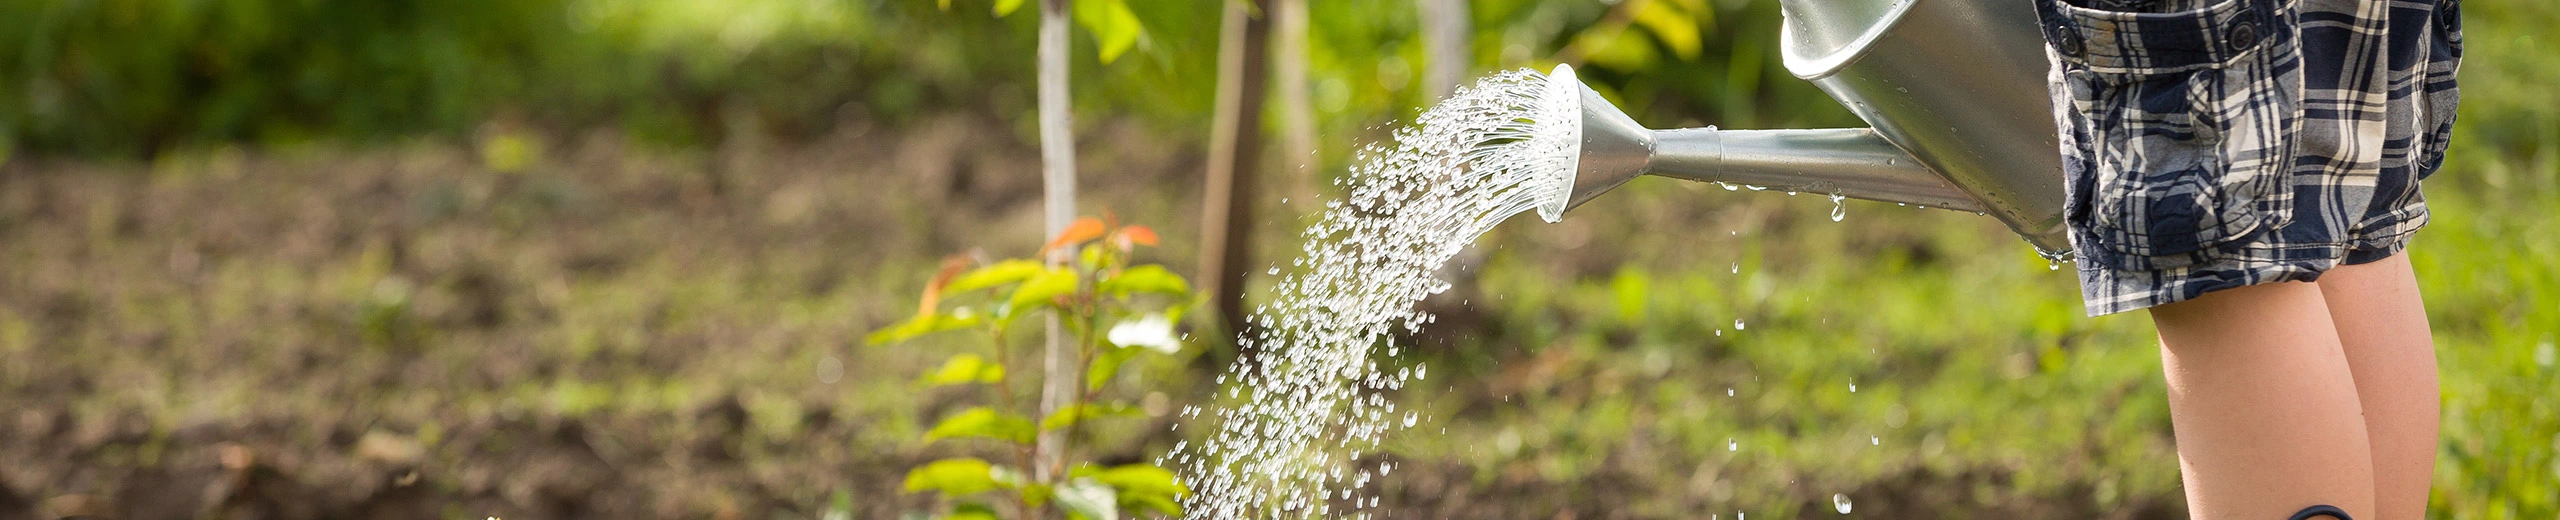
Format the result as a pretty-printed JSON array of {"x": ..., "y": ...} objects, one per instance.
[{"x": 2215, "y": 144}]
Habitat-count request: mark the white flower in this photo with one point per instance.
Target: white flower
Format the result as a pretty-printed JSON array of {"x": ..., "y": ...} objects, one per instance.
[{"x": 1153, "y": 331}]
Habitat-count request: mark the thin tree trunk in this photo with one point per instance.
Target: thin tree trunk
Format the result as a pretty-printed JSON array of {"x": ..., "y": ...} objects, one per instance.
[
  {"x": 1235, "y": 141},
  {"x": 1058, "y": 182},
  {"x": 1297, "y": 114},
  {"x": 1446, "y": 54}
]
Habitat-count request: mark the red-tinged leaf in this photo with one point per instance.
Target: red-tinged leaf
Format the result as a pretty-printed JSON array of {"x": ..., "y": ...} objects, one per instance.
[
  {"x": 1082, "y": 230},
  {"x": 1140, "y": 235},
  {"x": 952, "y": 266}
]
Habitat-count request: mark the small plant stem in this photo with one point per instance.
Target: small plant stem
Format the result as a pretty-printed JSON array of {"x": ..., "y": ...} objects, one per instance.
[
  {"x": 1092, "y": 318},
  {"x": 1022, "y": 454},
  {"x": 1084, "y": 396}
]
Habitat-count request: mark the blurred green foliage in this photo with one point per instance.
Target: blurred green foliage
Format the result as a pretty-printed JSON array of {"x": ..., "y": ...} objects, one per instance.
[
  {"x": 127, "y": 77},
  {"x": 123, "y": 77}
]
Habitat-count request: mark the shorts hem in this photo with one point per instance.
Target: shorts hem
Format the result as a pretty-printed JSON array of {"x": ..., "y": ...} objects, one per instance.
[{"x": 2137, "y": 290}]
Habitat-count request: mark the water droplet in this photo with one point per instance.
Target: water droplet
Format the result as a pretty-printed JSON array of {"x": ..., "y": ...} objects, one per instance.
[
  {"x": 1737, "y": 324},
  {"x": 1875, "y": 441},
  {"x": 1853, "y": 387},
  {"x": 1728, "y": 186},
  {"x": 1284, "y": 200},
  {"x": 1840, "y": 501},
  {"x": 1838, "y": 210},
  {"x": 1275, "y": 270},
  {"x": 830, "y": 370},
  {"x": 1732, "y": 445},
  {"x": 2053, "y": 265},
  {"x": 1737, "y": 268},
  {"x": 1728, "y": 391}
]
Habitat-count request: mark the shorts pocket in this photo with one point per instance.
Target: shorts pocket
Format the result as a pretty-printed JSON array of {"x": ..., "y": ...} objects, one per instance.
[
  {"x": 2184, "y": 124},
  {"x": 2444, "y": 58}
]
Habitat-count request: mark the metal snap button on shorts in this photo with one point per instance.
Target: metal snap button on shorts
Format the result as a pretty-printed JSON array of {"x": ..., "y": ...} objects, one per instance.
[{"x": 2216, "y": 144}]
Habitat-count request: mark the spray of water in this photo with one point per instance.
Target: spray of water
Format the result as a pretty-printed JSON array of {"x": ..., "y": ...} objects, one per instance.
[{"x": 1298, "y": 415}]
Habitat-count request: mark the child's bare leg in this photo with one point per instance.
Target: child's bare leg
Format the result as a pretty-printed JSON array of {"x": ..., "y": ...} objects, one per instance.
[
  {"x": 2263, "y": 404},
  {"x": 2383, "y": 326}
]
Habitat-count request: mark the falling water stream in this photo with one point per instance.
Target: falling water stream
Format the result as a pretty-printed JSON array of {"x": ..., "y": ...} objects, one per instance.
[{"x": 1297, "y": 417}]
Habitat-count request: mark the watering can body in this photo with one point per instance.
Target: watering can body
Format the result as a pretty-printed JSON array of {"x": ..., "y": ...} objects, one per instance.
[{"x": 1954, "y": 91}]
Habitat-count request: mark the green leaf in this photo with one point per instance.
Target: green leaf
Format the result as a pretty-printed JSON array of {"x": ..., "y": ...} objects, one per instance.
[
  {"x": 1107, "y": 364},
  {"x": 1141, "y": 486},
  {"x": 1673, "y": 26},
  {"x": 839, "y": 506},
  {"x": 982, "y": 422},
  {"x": 924, "y": 324},
  {"x": 1150, "y": 278},
  {"x": 1617, "y": 49},
  {"x": 1115, "y": 28},
  {"x": 953, "y": 476},
  {"x": 1137, "y": 479},
  {"x": 1091, "y": 257},
  {"x": 1164, "y": 505},
  {"x": 1035, "y": 494},
  {"x": 1001, "y": 273},
  {"x": 1078, "y": 413},
  {"x": 1090, "y": 498},
  {"x": 964, "y": 369},
  {"x": 1006, "y": 7},
  {"x": 1042, "y": 288},
  {"x": 1629, "y": 288},
  {"x": 972, "y": 511}
]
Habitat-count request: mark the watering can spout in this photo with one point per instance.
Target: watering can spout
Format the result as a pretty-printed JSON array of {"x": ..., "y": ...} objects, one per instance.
[{"x": 1850, "y": 162}]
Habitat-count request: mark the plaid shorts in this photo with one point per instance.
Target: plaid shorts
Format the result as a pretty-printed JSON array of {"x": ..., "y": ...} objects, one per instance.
[{"x": 2215, "y": 144}]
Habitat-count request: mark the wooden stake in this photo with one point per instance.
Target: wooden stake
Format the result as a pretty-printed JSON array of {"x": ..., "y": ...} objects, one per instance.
[
  {"x": 1061, "y": 377},
  {"x": 1235, "y": 142}
]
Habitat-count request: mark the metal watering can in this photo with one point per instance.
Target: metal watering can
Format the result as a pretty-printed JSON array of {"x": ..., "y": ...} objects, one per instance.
[{"x": 1955, "y": 90}]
